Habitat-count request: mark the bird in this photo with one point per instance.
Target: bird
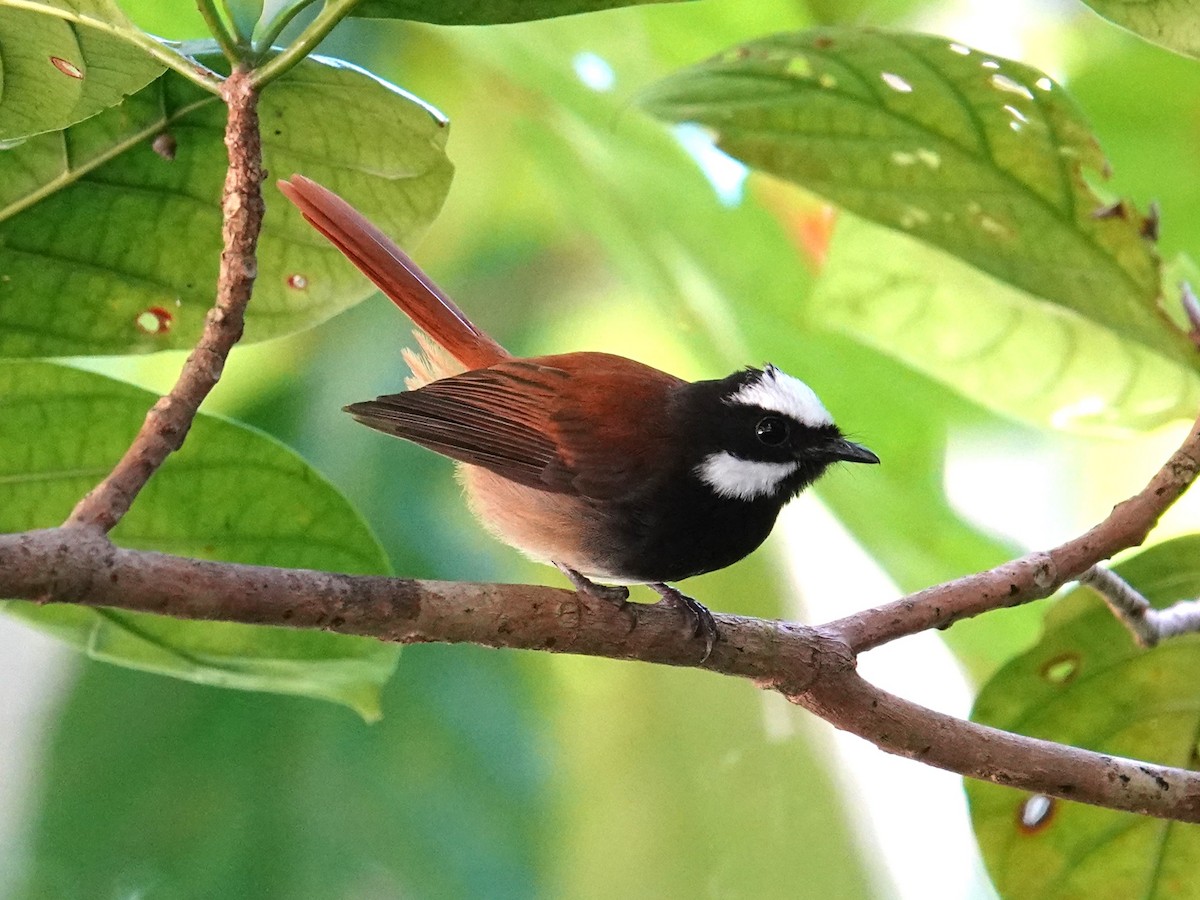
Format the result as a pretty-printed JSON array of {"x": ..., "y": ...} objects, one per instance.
[{"x": 613, "y": 471}]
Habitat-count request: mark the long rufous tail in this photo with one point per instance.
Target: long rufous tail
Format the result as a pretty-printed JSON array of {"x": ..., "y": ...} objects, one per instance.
[{"x": 389, "y": 267}]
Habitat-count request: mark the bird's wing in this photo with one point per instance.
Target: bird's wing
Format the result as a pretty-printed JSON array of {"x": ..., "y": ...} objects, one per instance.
[{"x": 582, "y": 423}]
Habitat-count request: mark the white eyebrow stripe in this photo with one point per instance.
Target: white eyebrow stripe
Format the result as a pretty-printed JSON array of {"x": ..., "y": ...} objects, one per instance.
[
  {"x": 781, "y": 393},
  {"x": 742, "y": 479}
]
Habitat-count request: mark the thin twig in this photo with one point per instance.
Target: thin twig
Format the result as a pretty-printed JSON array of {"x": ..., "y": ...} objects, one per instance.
[
  {"x": 1031, "y": 577},
  {"x": 1191, "y": 309},
  {"x": 305, "y": 43},
  {"x": 899, "y": 726},
  {"x": 168, "y": 421},
  {"x": 219, "y": 29},
  {"x": 275, "y": 28},
  {"x": 1149, "y": 626},
  {"x": 807, "y": 665}
]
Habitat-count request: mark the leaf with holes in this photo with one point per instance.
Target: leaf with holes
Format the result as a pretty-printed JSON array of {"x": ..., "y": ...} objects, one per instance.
[
  {"x": 1087, "y": 684},
  {"x": 62, "y": 61},
  {"x": 490, "y": 12},
  {"x": 1006, "y": 349},
  {"x": 1174, "y": 24},
  {"x": 110, "y": 231},
  {"x": 980, "y": 156},
  {"x": 230, "y": 494}
]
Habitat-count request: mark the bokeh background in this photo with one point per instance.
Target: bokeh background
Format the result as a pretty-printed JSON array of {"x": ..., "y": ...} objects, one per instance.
[{"x": 507, "y": 774}]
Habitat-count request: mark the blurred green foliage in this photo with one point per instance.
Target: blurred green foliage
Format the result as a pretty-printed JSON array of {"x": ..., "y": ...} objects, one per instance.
[
  {"x": 230, "y": 494},
  {"x": 575, "y": 221}
]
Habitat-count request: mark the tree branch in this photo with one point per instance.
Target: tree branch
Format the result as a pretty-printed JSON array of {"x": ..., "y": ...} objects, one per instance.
[
  {"x": 810, "y": 666},
  {"x": 907, "y": 729},
  {"x": 1148, "y": 625},
  {"x": 814, "y": 667},
  {"x": 168, "y": 421},
  {"x": 1032, "y": 577}
]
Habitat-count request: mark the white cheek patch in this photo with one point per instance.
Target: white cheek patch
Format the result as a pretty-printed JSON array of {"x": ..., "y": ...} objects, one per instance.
[
  {"x": 742, "y": 479},
  {"x": 781, "y": 393}
]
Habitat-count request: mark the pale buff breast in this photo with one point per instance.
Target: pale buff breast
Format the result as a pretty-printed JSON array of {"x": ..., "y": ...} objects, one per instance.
[
  {"x": 543, "y": 527},
  {"x": 546, "y": 520}
]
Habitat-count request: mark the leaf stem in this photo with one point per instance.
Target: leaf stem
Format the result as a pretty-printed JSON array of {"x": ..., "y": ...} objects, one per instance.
[
  {"x": 275, "y": 27},
  {"x": 229, "y": 43},
  {"x": 332, "y": 13}
]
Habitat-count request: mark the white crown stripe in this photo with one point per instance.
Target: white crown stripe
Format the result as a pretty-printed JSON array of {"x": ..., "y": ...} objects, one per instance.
[
  {"x": 781, "y": 393},
  {"x": 742, "y": 479}
]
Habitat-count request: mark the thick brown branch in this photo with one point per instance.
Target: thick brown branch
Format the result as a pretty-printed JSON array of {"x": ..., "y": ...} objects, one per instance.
[
  {"x": 168, "y": 421},
  {"x": 847, "y": 701},
  {"x": 82, "y": 566},
  {"x": 1031, "y": 577},
  {"x": 810, "y": 666}
]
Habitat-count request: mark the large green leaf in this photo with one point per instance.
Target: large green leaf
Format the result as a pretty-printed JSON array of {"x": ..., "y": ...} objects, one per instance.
[
  {"x": 107, "y": 246},
  {"x": 152, "y": 787},
  {"x": 1087, "y": 684},
  {"x": 230, "y": 494},
  {"x": 485, "y": 12},
  {"x": 1146, "y": 135},
  {"x": 64, "y": 60},
  {"x": 171, "y": 21},
  {"x": 1171, "y": 23},
  {"x": 981, "y": 156},
  {"x": 1002, "y": 347}
]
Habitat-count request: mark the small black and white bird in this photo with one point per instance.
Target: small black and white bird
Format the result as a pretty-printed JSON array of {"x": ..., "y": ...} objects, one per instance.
[{"x": 605, "y": 467}]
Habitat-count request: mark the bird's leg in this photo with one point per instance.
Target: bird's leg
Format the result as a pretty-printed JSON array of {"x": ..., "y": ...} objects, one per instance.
[
  {"x": 703, "y": 624},
  {"x": 617, "y": 594}
]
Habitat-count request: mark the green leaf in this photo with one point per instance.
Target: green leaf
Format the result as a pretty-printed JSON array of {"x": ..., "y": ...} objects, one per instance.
[
  {"x": 171, "y": 21},
  {"x": 980, "y": 156},
  {"x": 1002, "y": 347},
  {"x": 230, "y": 494},
  {"x": 155, "y": 787},
  {"x": 488, "y": 12},
  {"x": 62, "y": 61},
  {"x": 107, "y": 246},
  {"x": 1110, "y": 83},
  {"x": 1174, "y": 24},
  {"x": 245, "y": 15},
  {"x": 1087, "y": 684}
]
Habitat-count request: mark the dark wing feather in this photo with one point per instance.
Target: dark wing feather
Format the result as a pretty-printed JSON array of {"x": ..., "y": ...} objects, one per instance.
[
  {"x": 488, "y": 417},
  {"x": 534, "y": 421}
]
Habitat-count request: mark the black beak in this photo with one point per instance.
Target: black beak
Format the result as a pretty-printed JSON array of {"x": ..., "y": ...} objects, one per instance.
[{"x": 848, "y": 451}]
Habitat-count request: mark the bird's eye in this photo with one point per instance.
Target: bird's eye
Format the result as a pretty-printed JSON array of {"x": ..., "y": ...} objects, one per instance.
[{"x": 772, "y": 430}]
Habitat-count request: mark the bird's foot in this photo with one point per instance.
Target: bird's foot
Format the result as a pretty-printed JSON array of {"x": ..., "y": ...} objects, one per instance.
[
  {"x": 703, "y": 623},
  {"x": 616, "y": 594}
]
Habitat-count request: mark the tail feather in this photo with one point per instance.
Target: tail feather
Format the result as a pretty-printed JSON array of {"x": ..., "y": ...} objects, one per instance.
[
  {"x": 431, "y": 363},
  {"x": 390, "y": 268}
]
